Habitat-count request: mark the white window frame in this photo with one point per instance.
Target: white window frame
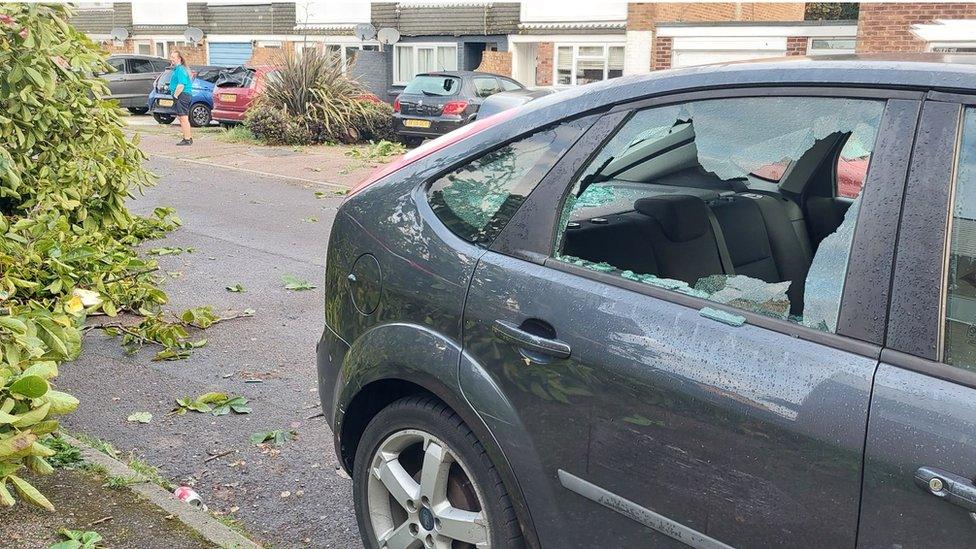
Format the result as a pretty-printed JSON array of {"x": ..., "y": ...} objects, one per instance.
[
  {"x": 576, "y": 57},
  {"x": 331, "y": 13},
  {"x": 154, "y": 41},
  {"x": 414, "y": 48},
  {"x": 828, "y": 51}
]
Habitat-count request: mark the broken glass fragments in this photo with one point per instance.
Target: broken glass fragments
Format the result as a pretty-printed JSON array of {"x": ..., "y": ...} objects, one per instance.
[
  {"x": 825, "y": 280},
  {"x": 722, "y": 316},
  {"x": 747, "y": 293}
]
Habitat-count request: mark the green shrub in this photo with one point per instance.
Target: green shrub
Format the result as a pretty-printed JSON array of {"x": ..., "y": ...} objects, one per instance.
[
  {"x": 237, "y": 134},
  {"x": 66, "y": 237},
  {"x": 309, "y": 99}
]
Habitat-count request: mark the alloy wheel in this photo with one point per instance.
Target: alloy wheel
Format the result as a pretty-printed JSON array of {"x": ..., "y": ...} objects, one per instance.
[
  {"x": 420, "y": 496},
  {"x": 200, "y": 115}
]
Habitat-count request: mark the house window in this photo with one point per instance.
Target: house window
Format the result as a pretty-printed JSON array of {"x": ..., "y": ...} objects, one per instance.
[
  {"x": 584, "y": 63},
  {"x": 159, "y": 13},
  {"x": 159, "y": 48},
  {"x": 410, "y": 60},
  {"x": 331, "y": 13},
  {"x": 831, "y": 46}
]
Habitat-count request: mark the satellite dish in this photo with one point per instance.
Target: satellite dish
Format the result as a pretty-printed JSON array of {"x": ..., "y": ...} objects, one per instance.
[
  {"x": 119, "y": 34},
  {"x": 388, "y": 36},
  {"x": 365, "y": 32},
  {"x": 193, "y": 35}
]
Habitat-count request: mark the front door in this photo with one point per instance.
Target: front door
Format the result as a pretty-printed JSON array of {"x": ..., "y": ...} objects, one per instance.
[
  {"x": 920, "y": 457},
  {"x": 690, "y": 368}
]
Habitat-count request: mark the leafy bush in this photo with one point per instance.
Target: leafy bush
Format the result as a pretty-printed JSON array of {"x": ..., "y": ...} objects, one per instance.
[
  {"x": 66, "y": 237},
  {"x": 309, "y": 99}
]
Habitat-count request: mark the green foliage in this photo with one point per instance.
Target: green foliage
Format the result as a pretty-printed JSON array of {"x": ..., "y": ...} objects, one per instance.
[
  {"x": 237, "y": 134},
  {"x": 218, "y": 404},
  {"x": 65, "y": 455},
  {"x": 235, "y": 288},
  {"x": 276, "y": 437},
  {"x": 77, "y": 539},
  {"x": 66, "y": 237},
  {"x": 309, "y": 100},
  {"x": 294, "y": 283},
  {"x": 833, "y": 11},
  {"x": 378, "y": 150}
]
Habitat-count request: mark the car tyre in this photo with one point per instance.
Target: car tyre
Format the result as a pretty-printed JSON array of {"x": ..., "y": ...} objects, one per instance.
[
  {"x": 164, "y": 118},
  {"x": 138, "y": 110},
  {"x": 419, "y": 444},
  {"x": 199, "y": 115},
  {"x": 412, "y": 142}
]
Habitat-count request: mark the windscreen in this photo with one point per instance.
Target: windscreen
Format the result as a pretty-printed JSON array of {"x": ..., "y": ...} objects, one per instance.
[{"x": 434, "y": 85}]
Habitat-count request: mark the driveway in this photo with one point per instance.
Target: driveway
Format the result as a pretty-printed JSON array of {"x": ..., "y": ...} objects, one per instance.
[{"x": 244, "y": 229}]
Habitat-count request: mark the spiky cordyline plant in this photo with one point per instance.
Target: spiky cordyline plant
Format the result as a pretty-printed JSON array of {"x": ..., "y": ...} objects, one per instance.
[{"x": 312, "y": 86}]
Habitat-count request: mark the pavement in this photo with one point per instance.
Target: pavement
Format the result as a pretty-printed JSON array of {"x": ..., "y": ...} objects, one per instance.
[
  {"x": 330, "y": 165},
  {"x": 249, "y": 229}
]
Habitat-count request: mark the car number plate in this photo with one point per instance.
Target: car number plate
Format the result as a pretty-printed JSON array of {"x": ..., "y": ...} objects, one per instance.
[
  {"x": 165, "y": 103},
  {"x": 417, "y": 123},
  {"x": 228, "y": 97}
]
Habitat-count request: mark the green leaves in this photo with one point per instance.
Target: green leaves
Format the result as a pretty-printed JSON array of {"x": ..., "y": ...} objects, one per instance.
[
  {"x": 276, "y": 437},
  {"x": 218, "y": 404},
  {"x": 295, "y": 284},
  {"x": 30, "y": 386},
  {"x": 236, "y": 288},
  {"x": 139, "y": 417},
  {"x": 170, "y": 250},
  {"x": 77, "y": 539}
]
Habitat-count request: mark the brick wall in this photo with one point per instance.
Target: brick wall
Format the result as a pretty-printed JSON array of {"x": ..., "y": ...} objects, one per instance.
[
  {"x": 646, "y": 16},
  {"x": 543, "y": 67},
  {"x": 886, "y": 27},
  {"x": 662, "y": 53},
  {"x": 110, "y": 46},
  {"x": 264, "y": 55},
  {"x": 195, "y": 55},
  {"x": 497, "y": 62},
  {"x": 796, "y": 45}
]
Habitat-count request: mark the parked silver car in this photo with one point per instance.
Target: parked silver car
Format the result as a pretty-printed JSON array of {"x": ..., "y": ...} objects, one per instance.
[{"x": 133, "y": 79}]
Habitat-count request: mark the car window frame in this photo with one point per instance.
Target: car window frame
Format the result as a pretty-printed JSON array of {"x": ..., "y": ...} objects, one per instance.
[
  {"x": 585, "y": 121},
  {"x": 130, "y": 65},
  {"x": 857, "y": 331},
  {"x": 915, "y": 338}
]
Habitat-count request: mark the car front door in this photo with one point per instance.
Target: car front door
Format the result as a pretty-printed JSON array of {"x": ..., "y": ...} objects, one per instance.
[
  {"x": 920, "y": 457},
  {"x": 116, "y": 78},
  {"x": 656, "y": 413}
]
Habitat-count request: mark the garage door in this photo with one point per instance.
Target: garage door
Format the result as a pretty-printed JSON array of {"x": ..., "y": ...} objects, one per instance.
[
  {"x": 700, "y": 50},
  {"x": 230, "y": 54}
]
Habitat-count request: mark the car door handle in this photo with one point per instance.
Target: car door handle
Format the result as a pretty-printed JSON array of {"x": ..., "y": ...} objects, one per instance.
[
  {"x": 511, "y": 333},
  {"x": 953, "y": 488}
]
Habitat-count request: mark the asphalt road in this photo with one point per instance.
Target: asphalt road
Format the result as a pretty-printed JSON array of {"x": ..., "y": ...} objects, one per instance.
[{"x": 250, "y": 230}]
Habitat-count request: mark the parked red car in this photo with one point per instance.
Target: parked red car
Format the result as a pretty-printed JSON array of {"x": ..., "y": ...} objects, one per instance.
[{"x": 234, "y": 92}]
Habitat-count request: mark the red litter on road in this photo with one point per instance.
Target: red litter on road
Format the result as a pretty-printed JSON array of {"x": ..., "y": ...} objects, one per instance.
[{"x": 188, "y": 495}]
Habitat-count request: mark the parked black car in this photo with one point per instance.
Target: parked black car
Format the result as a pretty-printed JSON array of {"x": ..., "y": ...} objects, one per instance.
[
  {"x": 510, "y": 100},
  {"x": 436, "y": 103},
  {"x": 133, "y": 79},
  {"x": 644, "y": 312}
]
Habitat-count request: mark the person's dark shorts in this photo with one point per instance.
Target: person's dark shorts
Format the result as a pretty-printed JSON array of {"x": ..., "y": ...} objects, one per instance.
[{"x": 182, "y": 106}]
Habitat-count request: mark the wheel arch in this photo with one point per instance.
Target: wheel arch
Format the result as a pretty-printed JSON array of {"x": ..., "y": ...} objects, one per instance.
[{"x": 425, "y": 363}]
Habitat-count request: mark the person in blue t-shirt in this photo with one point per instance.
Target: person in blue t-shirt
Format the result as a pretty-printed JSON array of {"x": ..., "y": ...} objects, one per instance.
[{"x": 181, "y": 86}]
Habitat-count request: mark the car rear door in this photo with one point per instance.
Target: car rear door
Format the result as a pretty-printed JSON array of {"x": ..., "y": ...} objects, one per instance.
[
  {"x": 140, "y": 75},
  {"x": 920, "y": 458},
  {"x": 639, "y": 418}
]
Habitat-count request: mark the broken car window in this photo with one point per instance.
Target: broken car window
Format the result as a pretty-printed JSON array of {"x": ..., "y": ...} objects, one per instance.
[
  {"x": 477, "y": 200},
  {"x": 745, "y": 202}
]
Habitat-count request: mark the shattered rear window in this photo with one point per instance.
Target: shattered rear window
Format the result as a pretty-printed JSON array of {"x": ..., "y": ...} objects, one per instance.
[{"x": 744, "y": 238}]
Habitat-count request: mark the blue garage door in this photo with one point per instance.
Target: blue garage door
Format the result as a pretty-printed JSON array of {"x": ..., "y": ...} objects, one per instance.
[{"x": 230, "y": 54}]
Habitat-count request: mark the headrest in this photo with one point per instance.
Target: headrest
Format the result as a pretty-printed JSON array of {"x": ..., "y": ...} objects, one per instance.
[{"x": 682, "y": 217}]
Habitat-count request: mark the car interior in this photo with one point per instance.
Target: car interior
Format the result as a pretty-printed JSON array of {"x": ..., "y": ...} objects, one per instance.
[{"x": 696, "y": 213}]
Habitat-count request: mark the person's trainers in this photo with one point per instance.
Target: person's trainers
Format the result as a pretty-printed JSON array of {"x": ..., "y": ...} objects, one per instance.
[{"x": 184, "y": 142}]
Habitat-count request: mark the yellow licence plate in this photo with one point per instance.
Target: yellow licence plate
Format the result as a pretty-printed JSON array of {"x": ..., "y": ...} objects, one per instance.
[
  {"x": 165, "y": 102},
  {"x": 228, "y": 98},
  {"x": 417, "y": 123}
]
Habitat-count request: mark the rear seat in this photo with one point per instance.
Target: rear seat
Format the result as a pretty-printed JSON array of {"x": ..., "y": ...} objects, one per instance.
[{"x": 673, "y": 236}]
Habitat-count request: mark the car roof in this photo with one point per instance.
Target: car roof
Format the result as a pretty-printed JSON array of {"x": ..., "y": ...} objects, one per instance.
[
  {"x": 943, "y": 72},
  {"x": 137, "y": 56},
  {"x": 461, "y": 74}
]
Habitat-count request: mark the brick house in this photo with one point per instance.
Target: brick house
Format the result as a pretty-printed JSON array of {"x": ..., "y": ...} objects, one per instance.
[{"x": 538, "y": 42}]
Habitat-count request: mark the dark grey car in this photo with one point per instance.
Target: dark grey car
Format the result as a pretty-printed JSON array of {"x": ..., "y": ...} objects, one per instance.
[
  {"x": 437, "y": 103},
  {"x": 133, "y": 79},
  {"x": 719, "y": 306}
]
